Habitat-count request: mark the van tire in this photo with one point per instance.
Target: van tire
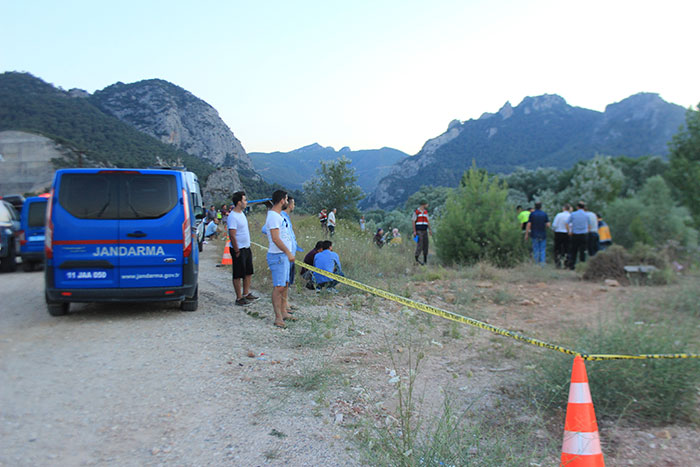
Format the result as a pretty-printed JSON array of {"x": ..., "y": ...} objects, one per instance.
[
  {"x": 28, "y": 266},
  {"x": 200, "y": 245},
  {"x": 9, "y": 264},
  {"x": 191, "y": 304},
  {"x": 58, "y": 309}
]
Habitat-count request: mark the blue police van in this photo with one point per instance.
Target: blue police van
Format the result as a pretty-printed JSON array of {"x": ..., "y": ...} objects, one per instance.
[
  {"x": 32, "y": 220},
  {"x": 115, "y": 235}
]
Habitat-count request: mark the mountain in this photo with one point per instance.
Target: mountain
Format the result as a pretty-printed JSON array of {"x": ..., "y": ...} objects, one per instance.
[
  {"x": 87, "y": 136},
  {"x": 542, "y": 131},
  {"x": 293, "y": 168},
  {"x": 176, "y": 117}
]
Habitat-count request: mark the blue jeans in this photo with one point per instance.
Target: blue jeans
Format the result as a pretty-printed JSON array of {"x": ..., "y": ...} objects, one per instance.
[{"x": 539, "y": 246}]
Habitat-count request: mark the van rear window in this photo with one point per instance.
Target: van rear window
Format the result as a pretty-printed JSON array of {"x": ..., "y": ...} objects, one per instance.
[
  {"x": 118, "y": 195},
  {"x": 37, "y": 214}
]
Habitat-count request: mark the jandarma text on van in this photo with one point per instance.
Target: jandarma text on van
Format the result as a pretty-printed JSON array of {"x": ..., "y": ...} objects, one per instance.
[{"x": 129, "y": 251}]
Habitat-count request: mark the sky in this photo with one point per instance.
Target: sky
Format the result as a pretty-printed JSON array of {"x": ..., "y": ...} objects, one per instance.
[{"x": 363, "y": 74}]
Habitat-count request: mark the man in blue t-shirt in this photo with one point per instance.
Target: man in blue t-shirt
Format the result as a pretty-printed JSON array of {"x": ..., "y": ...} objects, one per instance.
[
  {"x": 537, "y": 230},
  {"x": 578, "y": 230},
  {"x": 327, "y": 260}
]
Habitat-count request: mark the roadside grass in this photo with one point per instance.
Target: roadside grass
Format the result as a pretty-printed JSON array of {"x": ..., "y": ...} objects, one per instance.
[
  {"x": 647, "y": 392},
  {"x": 314, "y": 377},
  {"x": 453, "y": 435}
]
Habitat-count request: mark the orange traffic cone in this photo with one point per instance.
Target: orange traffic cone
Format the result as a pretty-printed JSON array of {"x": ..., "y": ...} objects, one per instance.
[
  {"x": 226, "y": 257},
  {"x": 581, "y": 446}
]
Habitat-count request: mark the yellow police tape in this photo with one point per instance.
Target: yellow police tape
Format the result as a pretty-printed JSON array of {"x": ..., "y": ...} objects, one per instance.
[{"x": 479, "y": 324}]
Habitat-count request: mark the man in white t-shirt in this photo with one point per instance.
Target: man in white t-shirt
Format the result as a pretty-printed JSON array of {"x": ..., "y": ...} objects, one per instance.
[
  {"x": 279, "y": 256},
  {"x": 331, "y": 221},
  {"x": 560, "y": 225},
  {"x": 241, "y": 255}
]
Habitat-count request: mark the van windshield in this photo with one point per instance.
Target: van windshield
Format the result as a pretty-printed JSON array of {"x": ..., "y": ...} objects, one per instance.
[
  {"x": 37, "y": 214},
  {"x": 118, "y": 195}
]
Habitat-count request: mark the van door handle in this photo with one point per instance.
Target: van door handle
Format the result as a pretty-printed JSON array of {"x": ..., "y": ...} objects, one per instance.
[{"x": 137, "y": 234}]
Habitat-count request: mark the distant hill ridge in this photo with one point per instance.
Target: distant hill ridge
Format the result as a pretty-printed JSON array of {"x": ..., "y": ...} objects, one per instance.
[
  {"x": 293, "y": 168},
  {"x": 542, "y": 131}
]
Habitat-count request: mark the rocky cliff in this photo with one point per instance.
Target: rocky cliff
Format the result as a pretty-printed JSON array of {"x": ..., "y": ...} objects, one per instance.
[
  {"x": 27, "y": 162},
  {"x": 542, "y": 131},
  {"x": 175, "y": 116},
  {"x": 220, "y": 185}
]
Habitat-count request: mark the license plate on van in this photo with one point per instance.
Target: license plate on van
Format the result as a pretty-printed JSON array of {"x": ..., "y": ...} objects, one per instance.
[
  {"x": 86, "y": 275},
  {"x": 36, "y": 238}
]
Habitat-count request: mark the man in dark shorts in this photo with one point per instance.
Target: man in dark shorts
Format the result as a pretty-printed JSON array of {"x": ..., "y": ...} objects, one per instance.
[{"x": 241, "y": 255}]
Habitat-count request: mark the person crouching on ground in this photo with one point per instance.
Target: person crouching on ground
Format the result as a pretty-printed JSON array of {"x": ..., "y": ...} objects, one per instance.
[
  {"x": 306, "y": 274},
  {"x": 327, "y": 260},
  {"x": 379, "y": 237},
  {"x": 279, "y": 255}
]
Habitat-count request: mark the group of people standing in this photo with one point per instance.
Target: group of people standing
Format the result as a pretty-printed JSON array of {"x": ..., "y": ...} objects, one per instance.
[
  {"x": 327, "y": 220},
  {"x": 282, "y": 248},
  {"x": 576, "y": 233}
]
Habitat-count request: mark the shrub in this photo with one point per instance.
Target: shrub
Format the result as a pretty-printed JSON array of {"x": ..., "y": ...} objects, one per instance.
[
  {"x": 477, "y": 223},
  {"x": 649, "y": 391},
  {"x": 608, "y": 264},
  {"x": 651, "y": 217}
]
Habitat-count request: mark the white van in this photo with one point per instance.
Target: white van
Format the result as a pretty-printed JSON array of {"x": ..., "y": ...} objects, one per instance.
[{"x": 197, "y": 206}]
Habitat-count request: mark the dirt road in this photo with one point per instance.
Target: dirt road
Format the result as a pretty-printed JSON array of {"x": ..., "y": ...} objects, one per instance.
[{"x": 147, "y": 384}]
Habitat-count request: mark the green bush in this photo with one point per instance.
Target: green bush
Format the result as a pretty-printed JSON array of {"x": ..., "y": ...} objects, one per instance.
[
  {"x": 651, "y": 217},
  {"x": 651, "y": 392},
  {"x": 477, "y": 223}
]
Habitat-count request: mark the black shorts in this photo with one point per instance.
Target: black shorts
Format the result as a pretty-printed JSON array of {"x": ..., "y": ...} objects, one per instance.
[
  {"x": 291, "y": 273},
  {"x": 243, "y": 263}
]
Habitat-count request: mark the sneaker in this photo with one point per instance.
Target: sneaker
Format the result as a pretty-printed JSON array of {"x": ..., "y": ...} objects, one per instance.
[
  {"x": 318, "y": 290},
  {"x": 332, "y": 290},
  {"x": 250, "y": 297},
  {"x": 242, "y": 302}
]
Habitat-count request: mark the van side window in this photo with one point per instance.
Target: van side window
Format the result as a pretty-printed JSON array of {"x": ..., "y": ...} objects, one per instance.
[
  {"x": 146, "y": 196},
  {"x": 89, "y": 195}
]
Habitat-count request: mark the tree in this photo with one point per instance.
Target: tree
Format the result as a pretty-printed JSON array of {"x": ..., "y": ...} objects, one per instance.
[
  {"x": 637, "y": 170},
  {"x": 684, "y": 164},
  {"x": 335, "y": 186},
  {"x": 597, "y": 181},
  {"x": 478, "y": 223},
  {"x": 436, "y": 196}
]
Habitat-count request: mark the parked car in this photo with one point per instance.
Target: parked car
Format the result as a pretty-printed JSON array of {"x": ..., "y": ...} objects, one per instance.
[
  {"x": 32, "y": 220},
  {"x": 15, "y": 200},
  {"x": 117, "y": 235},
  {"x": 9, "y": 237}
]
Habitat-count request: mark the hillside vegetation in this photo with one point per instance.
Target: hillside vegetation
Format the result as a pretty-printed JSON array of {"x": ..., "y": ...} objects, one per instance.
[{"x": 29, "y": 104}]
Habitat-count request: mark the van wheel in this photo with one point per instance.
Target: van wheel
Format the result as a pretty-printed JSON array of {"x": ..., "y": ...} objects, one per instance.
[
  {"x": 191, "y": 304},
  {"x": 58, "y": 309},
  {"x": 200, "y": 245},
  {"x": 27, "y": 266},
  {"x": 9, "y": 264}
]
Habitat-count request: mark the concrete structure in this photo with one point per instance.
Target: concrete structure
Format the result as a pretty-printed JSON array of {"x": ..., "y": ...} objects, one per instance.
[{"x": 25, "y": 162}]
